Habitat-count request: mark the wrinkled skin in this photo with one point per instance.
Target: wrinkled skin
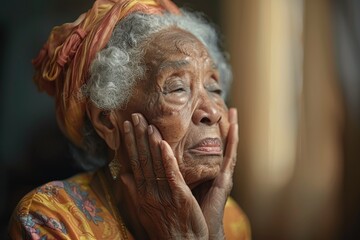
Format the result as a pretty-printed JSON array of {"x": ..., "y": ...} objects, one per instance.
[{"x": 176, "y": 127}]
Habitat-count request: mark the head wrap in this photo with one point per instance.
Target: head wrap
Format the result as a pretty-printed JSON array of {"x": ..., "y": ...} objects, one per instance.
[{"x": 63, "y": 63}]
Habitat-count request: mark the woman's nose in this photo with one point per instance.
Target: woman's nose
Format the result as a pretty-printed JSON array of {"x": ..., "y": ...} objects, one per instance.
[{"x": 207, "y": 112}]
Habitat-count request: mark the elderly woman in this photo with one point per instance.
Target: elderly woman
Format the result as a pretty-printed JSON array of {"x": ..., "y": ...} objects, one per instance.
[{"x": 139, "y": 88}]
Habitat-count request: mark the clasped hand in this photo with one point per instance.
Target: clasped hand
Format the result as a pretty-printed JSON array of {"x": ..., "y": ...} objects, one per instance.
[{"x": 167, "y": 208}]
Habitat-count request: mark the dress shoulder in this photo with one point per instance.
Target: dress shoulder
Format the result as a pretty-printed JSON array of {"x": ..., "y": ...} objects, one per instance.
[
  {"x": 58, "y": 210},
  {"x": 236, "y": 223}
]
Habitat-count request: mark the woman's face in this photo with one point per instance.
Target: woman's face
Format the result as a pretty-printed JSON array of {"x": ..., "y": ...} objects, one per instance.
[{"x": 181, "y": 97}]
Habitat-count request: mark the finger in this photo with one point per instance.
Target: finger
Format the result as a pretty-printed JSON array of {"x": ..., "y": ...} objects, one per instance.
[
  {"x": 154, "y": 143},
  {"x": 144, "y": 154},
  {"x": 157, "y": 163},
  {"x": 231, "y": 149},
  {"x": 232, "y": 142},
  {"x": 233, "y": 116},
  {"x": 131, "y": 148},
  {"x": 172, "y": 172},
  {"x": 130, "y": 185}
]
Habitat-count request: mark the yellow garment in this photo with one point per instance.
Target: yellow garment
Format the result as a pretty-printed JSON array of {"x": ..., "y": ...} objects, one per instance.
[{"x": 70, "y": 209}]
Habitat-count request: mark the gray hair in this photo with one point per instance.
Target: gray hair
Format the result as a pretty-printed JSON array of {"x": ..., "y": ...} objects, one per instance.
[{"x": 117, "y": 67}]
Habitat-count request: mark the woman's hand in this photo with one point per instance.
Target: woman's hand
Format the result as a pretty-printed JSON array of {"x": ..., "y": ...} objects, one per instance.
[
  {"x": 167, "y": 208},
  {"x": 212, "y": 196}
]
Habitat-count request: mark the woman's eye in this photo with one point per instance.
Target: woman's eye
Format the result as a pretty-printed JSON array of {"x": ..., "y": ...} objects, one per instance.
[
  {"x": 178, "y": 90},
  {"x": 176, "y": 85},
  {"x": 217, "y": 91},
  {"x": 213, "y": 85}
]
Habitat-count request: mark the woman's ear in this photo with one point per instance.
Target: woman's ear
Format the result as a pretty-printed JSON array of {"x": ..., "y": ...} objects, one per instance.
[{"x": 105, "y": 124}]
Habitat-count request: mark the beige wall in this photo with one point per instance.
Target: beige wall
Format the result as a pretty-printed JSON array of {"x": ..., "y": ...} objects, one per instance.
[{"x": 285, "y": 87}]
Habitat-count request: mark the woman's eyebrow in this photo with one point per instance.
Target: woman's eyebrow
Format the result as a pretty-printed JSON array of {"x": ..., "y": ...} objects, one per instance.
[{"x": 173, "y": 65}]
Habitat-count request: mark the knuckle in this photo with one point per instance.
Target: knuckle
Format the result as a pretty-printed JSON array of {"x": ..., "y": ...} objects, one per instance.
[
  {"x": 144, "y": 158},
  {"x": 158, "y": 167},
  {"x": 134, "y": 164}
]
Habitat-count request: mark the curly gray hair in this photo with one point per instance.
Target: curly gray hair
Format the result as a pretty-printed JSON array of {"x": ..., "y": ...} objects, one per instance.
[{"x": 117, "y": 67}]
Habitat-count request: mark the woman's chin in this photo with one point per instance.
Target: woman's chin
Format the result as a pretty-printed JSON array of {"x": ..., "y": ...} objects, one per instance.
[{"x": 201, "y": 175}]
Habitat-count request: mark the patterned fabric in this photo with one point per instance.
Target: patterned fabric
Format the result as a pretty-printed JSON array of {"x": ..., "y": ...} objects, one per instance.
[{"x": 70, "y": 209}]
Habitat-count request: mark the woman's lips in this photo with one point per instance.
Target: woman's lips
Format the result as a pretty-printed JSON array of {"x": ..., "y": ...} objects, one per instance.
[{"x": 207, "y": 146}]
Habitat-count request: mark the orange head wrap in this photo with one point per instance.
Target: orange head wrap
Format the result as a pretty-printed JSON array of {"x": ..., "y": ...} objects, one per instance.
[{"x": 63, "y": 63}]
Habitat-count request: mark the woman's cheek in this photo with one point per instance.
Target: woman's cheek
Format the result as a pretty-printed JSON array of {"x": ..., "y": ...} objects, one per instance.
[{"x": 172, "y": 122}]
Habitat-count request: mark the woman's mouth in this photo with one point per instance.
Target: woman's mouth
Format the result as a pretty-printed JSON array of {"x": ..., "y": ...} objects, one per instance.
[{"x": 207, "y": 146}]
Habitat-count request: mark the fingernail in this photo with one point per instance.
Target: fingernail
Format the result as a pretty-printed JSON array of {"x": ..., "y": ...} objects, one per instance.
[
  {"x": 135, "y": 119},
  {"x": 127, "y": 126},
  {"x": 150, "y": 130}
]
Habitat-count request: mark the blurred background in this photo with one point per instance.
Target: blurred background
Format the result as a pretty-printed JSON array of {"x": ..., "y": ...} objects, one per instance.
[{"x": 296, "y": 67}]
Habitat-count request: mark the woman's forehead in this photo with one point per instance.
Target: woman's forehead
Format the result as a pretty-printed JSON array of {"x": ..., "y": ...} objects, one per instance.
[
  {"x": 175, "y": 48},
  {"x": 176, "y": 40}
]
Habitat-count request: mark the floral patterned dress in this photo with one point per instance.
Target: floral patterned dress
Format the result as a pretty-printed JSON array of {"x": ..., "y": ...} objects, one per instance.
[{"x": 70, "y": 209}]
